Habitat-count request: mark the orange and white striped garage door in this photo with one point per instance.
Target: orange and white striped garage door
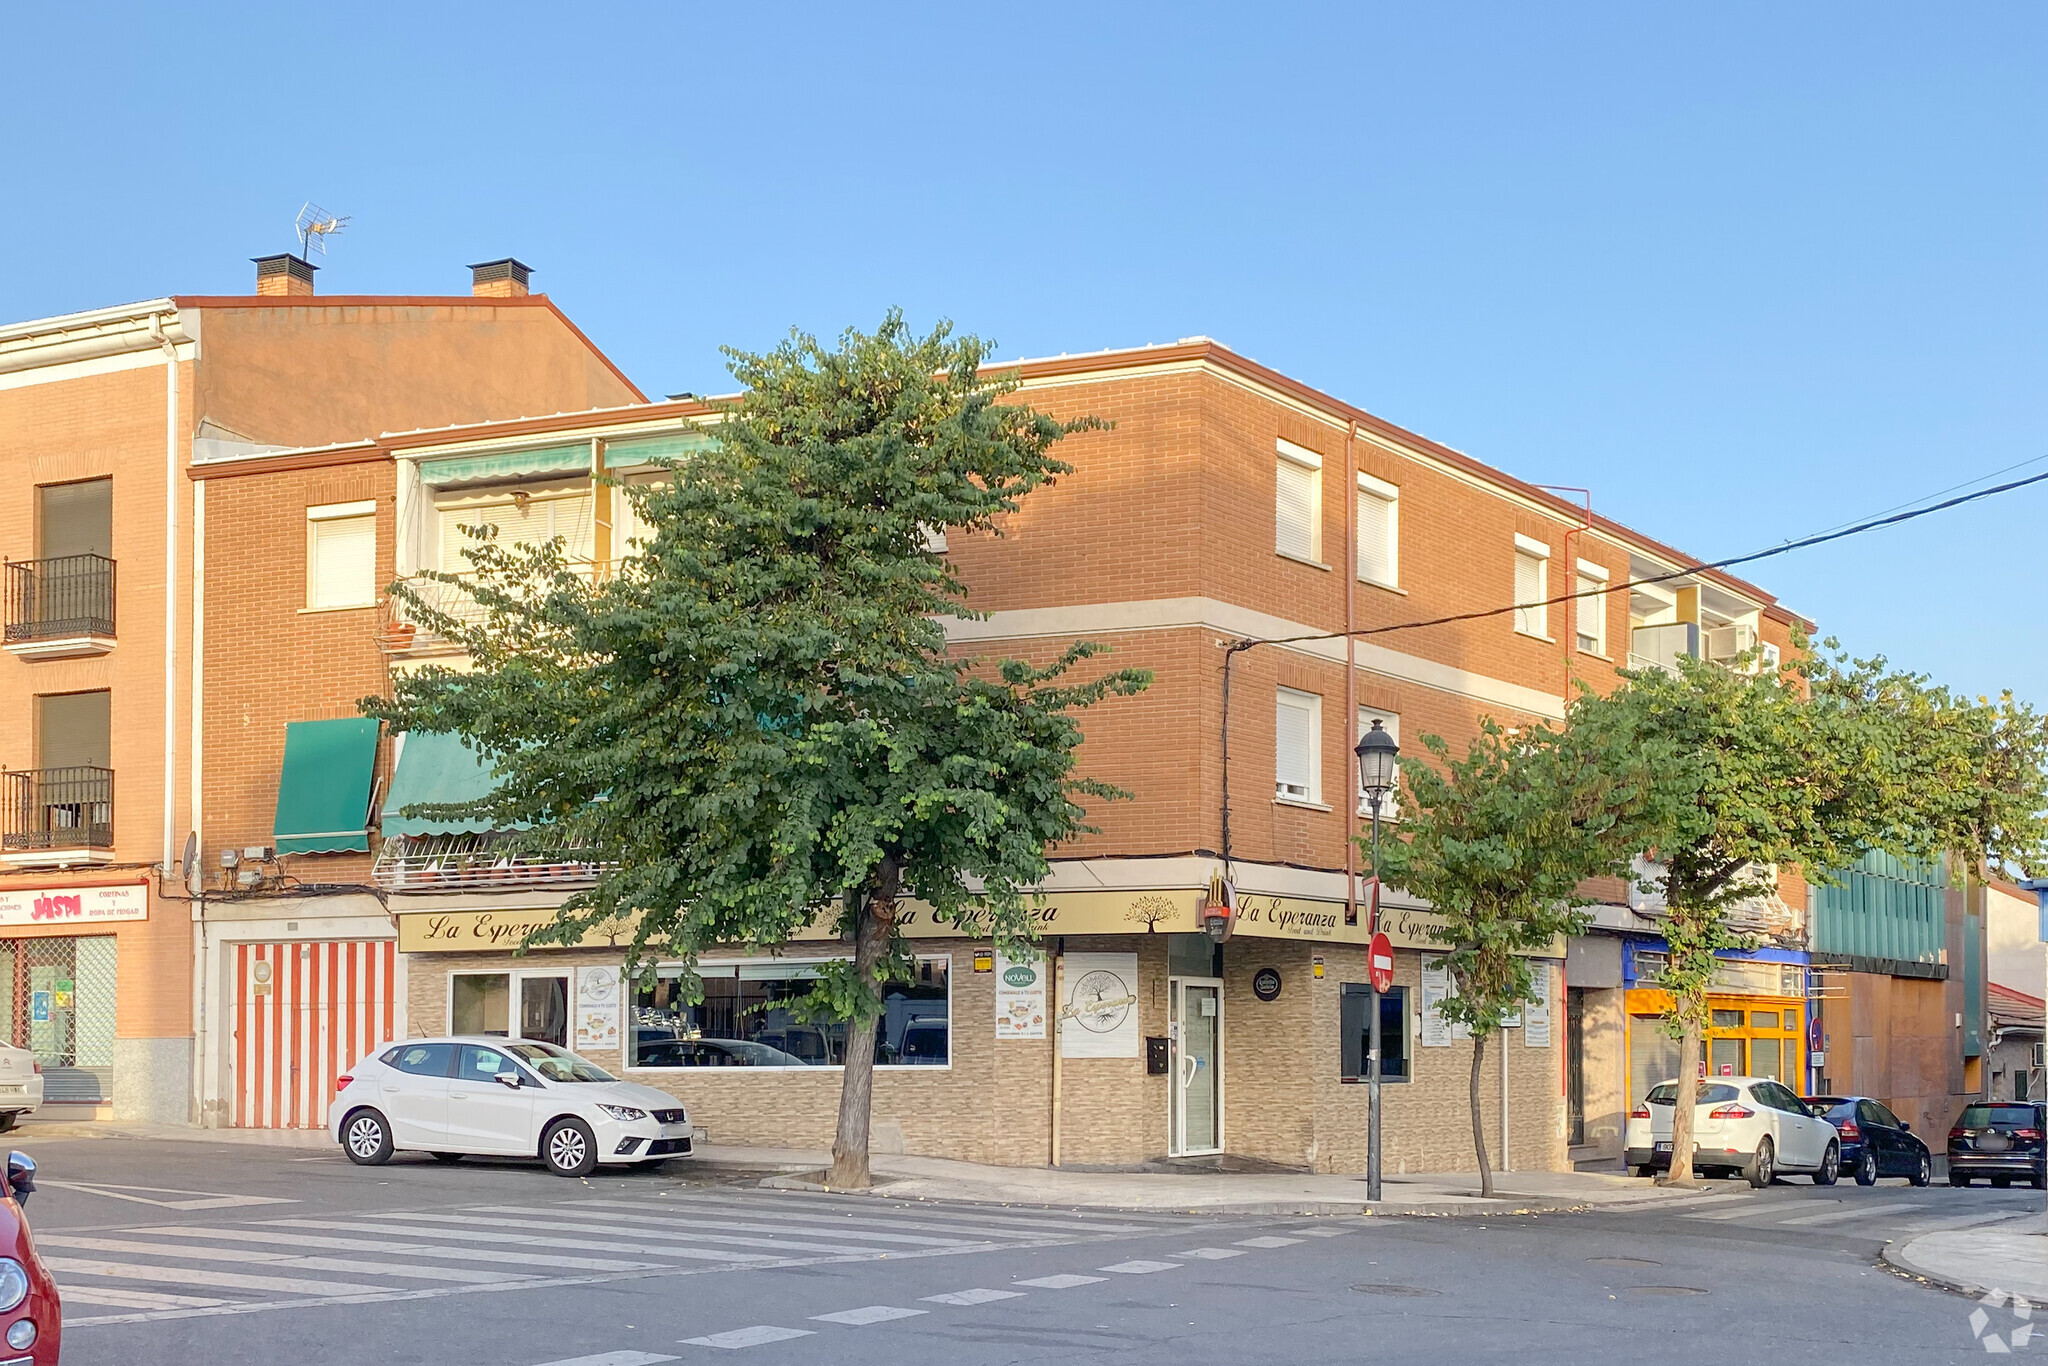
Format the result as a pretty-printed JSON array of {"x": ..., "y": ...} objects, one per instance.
[{"x": 304, "y": 1014}]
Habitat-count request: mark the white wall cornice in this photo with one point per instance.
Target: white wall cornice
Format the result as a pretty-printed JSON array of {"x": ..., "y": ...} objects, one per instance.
[{"x": 47, "y": 350}]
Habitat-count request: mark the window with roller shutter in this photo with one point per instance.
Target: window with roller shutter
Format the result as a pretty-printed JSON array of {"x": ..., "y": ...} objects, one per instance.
[
  {"x": 1378, "y": 532},
  {"x": 1297, "y": 503},
  {"x": 341, "y": 555},
  {"x": 1297, "y": 746},
  {"x": 526, "y": 521},
  {"x": 1532, "y": 586},
  {"x": 1589, "y": 609}
]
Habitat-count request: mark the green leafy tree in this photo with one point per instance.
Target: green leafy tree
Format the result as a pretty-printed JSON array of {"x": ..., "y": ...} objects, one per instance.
[
  {"x": 1811, "y": 769},
  {"x": 755, "y": 722},
  {"x": 1501, "y": 842}
]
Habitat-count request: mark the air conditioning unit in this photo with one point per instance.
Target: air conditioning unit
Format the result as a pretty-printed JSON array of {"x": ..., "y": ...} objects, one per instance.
[{"x": 1724, "y": 643}]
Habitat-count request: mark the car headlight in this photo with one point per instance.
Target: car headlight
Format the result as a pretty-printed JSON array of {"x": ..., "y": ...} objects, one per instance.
[
  {"x": 623, "y": 1112},
  {"x": 13, "y": 1284}
]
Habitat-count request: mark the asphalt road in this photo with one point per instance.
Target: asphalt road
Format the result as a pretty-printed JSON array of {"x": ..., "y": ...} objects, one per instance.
[{"x": 232, "y": 1253}]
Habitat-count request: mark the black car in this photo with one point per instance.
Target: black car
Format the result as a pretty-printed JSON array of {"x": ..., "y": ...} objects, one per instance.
[
  {"x": 2001, "y": 1140},
  {"x": 1875, "y": 1142}
]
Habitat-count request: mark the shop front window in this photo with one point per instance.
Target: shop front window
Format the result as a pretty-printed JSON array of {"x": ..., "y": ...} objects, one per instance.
[
  {"x": 59, "y": 1004},
  {"x": 1357, "y": 1018},
  {"x": 748, "y": 1018}
]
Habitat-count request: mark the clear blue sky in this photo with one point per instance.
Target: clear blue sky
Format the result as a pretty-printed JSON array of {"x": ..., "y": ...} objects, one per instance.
[{"x": 1747, "y": 271}]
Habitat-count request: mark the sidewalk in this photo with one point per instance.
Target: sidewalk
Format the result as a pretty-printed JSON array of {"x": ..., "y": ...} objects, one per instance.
[
  {"x": 2012, "y": 1257},
  {"x": 1451, "y": 1193}
]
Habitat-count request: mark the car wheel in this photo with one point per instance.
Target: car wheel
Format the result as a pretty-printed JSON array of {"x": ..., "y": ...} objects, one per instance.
[
  {"x": 1646, "y": 1170},
  {"x": 1866, "y": 1168},
  {"x": 569, "y": 1148},
  {"x": 2001, "y": 1183},
  {"x": 1958, "y": 1179},
  {"x": 366, "y": 1138},
  {"x": 1763, "y": 1167},
  {"x": 1830, "y": 1166},
  {"x": 2040, "y": 1181},
  {"x": 1923, "y": 1173},
  {"x": 448, "y": 1157},
  {"x": 9, "y": 1120}
]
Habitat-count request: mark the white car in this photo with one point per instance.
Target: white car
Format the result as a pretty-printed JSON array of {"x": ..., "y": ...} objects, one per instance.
[
  {"x": 456, "y": 1096},
  {"x": 21, "y": 1085},
  {"x": 1751, "y": 1125}
]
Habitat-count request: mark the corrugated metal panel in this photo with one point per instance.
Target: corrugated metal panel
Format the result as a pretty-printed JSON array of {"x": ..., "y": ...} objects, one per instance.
[
  {"x": 304, "y": 1014},
  {"x": 1884, "y": 908}
]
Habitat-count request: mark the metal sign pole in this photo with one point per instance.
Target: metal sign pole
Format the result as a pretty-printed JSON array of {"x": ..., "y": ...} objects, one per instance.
[{"x": 1372, "y": 1058}]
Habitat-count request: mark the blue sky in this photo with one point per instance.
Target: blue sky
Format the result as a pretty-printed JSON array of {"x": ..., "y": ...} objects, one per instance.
[{"x": 1747, "y": 273}]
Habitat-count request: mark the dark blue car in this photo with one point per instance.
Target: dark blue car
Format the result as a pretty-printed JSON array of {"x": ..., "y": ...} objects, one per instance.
[{"x": 1875, "y": 1142}]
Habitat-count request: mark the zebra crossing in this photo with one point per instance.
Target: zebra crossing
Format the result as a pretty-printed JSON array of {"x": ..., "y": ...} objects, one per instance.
[
  {"x": 1850, "y": 1216},
  {"x": 284, "y": 1261}
]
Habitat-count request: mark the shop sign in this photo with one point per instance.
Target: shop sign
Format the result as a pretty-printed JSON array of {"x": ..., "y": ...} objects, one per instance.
[
  {"x": 1020, "y": 996},
  {"x": 1266, "y": 984},
  {"x": 1174, "y": 911},
  {"x": 1287, "y": 917},
  {"x": 1099, "y": 1005},
  {"x": 75, "y": 905},
  {"x": 1536, "y": 1030},
  {"x": 597, "y": 1007},
  {"x": 480, "y": 931},
  {"x": 1438, "y": 987}
]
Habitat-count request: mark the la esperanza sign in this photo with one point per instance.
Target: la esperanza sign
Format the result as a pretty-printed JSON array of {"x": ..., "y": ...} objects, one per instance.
[{"x": 75, "y": 905}]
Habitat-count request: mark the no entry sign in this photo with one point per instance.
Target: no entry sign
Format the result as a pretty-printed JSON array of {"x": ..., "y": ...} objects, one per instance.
[{"x": 1379, "y": 963}]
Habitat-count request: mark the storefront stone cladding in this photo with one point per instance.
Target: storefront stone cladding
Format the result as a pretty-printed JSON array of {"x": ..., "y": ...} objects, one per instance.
[{"x": 1284, "y": 1100}]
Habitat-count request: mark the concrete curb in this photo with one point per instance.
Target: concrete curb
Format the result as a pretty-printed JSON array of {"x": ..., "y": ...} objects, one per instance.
[{"x": 1895, "y": 1258}]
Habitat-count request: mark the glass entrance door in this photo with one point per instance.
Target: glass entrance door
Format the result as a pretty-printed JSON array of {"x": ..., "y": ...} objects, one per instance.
[
  {"x": 544, "y": 1008},
  {"x": 1195, "y": 1064}
]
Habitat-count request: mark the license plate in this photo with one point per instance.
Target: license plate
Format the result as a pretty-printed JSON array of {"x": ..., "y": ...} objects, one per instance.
[
  {"x": 1663, "y": 1147},
  {"x": 12, "y": 1088},
  {"x": 1993, "y": 1143}
]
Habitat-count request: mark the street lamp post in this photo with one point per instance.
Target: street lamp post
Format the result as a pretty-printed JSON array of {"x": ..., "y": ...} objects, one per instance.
[{"x": 1378, "y": 771}]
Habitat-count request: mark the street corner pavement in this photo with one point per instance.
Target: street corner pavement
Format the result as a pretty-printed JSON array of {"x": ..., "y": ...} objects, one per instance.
[{"x": 2012, "y": 1259}]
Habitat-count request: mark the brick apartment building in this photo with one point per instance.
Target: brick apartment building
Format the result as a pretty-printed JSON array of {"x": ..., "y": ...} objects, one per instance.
[
  {"x": 1227, "y": 503},
  {"x": 105, "y": 539}
]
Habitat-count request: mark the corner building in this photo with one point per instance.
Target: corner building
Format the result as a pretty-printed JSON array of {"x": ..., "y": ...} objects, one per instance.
[{"x": 1227, "y": 503}]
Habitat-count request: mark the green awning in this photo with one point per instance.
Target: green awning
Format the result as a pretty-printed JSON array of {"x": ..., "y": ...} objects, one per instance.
[
  {"x": 505, "y": 466},
  {"x": 648, "y": 450},
  {"x": 435, "y": 767},
  {"x": 323, "y": 794}
]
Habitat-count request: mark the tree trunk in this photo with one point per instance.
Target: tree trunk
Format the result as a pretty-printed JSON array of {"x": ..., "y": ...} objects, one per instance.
[
  {"x": 1683, "y": 1103},
  {"x": 1478, "y": 1124},
  {"x": 872, "y": 929}
]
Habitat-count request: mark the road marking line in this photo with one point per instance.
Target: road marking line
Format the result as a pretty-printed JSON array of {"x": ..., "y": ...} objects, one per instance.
[
  {"x": 613, "y": 1359},
  {"x": 280, "y": 1259},
  {"x": 1140, "y": 1268},
  {"x": 749, "y": 1337},
  {"x": 466, "y": 1254},
  {"x": 1212, "y": 1254},
  {"x": 1267, "y": 1241},
  {"x": 873, "y": 1313},
  {"x": 1853, "y": 1212},
  {"x": 967, "y": 1297},
  {"x": 1062, "y": 1282},
  {"x": 1743, "y": 1212},
  {"x": 133, "y": 1299},
  {"x": 200, "y": 1200},
  {"x": 688, "y": 1226},
  {"x": 1963, "y": 1220},
  {"x": 874, "y": 1211},
  {"x": 178, "y": 1275},
  {"x": 657, "y": 1249},
  {"x": 634, "y": 1235},
  {"x": 1321, "y": 1232}
]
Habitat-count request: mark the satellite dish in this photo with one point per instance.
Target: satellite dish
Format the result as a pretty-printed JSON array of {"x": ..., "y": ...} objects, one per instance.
[
  {"x": 314, "y": 226},
  {"x": 191, "y": 864}
]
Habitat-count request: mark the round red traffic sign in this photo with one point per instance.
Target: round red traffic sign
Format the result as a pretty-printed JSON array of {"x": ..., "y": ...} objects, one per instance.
[{"x": 1379, "y": 963}]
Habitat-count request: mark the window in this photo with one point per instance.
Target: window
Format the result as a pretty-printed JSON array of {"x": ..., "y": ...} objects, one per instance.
[
  {"x": 1298, "y": 503},
  {"x": 1390, "y": 802},
  {"x": 341, "y": 555},
  {"x": 1768, "y": 659},
  {"x": 485, "y": 1064},
  {"x": 1297, "y": 746},
  {"x": 482, "y": 1003},
  {"x": 1379, "y": 532},
  {"x": 523, "y": 519},
  {"x": 1532, "y": 586},
  {"x": 75, "y": 519},
  {"x": 1357, "y": 1024},
  {"x": 1589, "y": 609},
  {"x": 422, "y": 1059},
  {"x": 748, "y": 1018}
]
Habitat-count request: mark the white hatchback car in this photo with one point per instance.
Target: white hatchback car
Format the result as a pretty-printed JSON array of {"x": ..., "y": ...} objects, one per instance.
[
  {"x": 1751, "y": 1125},
  {"x": 500, "y": 1097},
  {"x": 21, "y": 1085}
]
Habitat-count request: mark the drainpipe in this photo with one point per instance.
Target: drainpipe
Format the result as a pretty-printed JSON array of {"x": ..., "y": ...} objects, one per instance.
[
  {"x": 1351, "y": 680},
  {"x": 170, "y": 824},
  {"x": 1570, "y": 634}
]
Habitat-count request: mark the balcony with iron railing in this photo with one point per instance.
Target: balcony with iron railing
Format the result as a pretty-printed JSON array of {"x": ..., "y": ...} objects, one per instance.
[
  {"x": 55, "y": 816},
  {"x": 61, "y": 607},
  {"x": 480, "y": 861}
]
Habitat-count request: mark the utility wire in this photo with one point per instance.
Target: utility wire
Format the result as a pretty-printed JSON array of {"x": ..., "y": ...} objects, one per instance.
[{"x": 1806, "y": 542}]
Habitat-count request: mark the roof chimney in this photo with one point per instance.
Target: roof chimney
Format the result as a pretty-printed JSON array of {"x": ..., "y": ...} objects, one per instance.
[
  {"x": 502, "y": 279},
  {"x": 284, "y": 274}
]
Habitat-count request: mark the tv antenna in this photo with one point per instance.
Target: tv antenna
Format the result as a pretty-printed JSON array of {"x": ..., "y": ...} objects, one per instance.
[{"x": 315, "y": 225}]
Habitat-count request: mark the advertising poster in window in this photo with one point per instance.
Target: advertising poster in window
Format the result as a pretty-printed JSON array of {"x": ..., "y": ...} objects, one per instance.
[
  {"x": 1536, "y": 1032},
  {"x": 1437, "y": 1032},
  {"x": 1099, "y": 1005},
  {"x": 597, "y": 1008},
  {"x": 1020, "y": 996}
]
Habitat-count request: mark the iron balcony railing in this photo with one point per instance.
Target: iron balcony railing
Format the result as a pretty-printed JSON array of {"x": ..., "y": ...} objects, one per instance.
[
  {"x": 464, "y": 862},
  {"x": 68, "y": 595},
  {"x": 57, "y": 808}
]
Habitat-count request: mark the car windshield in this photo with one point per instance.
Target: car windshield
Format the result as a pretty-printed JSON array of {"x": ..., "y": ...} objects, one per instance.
[
  {"x": 557, "y": 1064},
  {"x": 1667, "y": 1094},
  {"x": 2001, "y": 1116}
]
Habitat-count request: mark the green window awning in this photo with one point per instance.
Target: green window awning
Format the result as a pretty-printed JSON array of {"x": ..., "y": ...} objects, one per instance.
[
  {"x": 647, "y": 450},
  {"x": 435, "y": 767},
  {"x": 504, "y": 466},
  {"x": 323, "y": 794}
]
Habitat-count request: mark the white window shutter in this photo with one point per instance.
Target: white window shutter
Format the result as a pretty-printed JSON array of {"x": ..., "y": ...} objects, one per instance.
[
  {"x": 1591, "y": 609},
  {"x": 1294, "y": 747},
  {"x": 344, "y": 567},
  {"x": 1531, "y": 616},
  {"x": 1375, "y": 538},
  {"x": 1295, "y": 510}
]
